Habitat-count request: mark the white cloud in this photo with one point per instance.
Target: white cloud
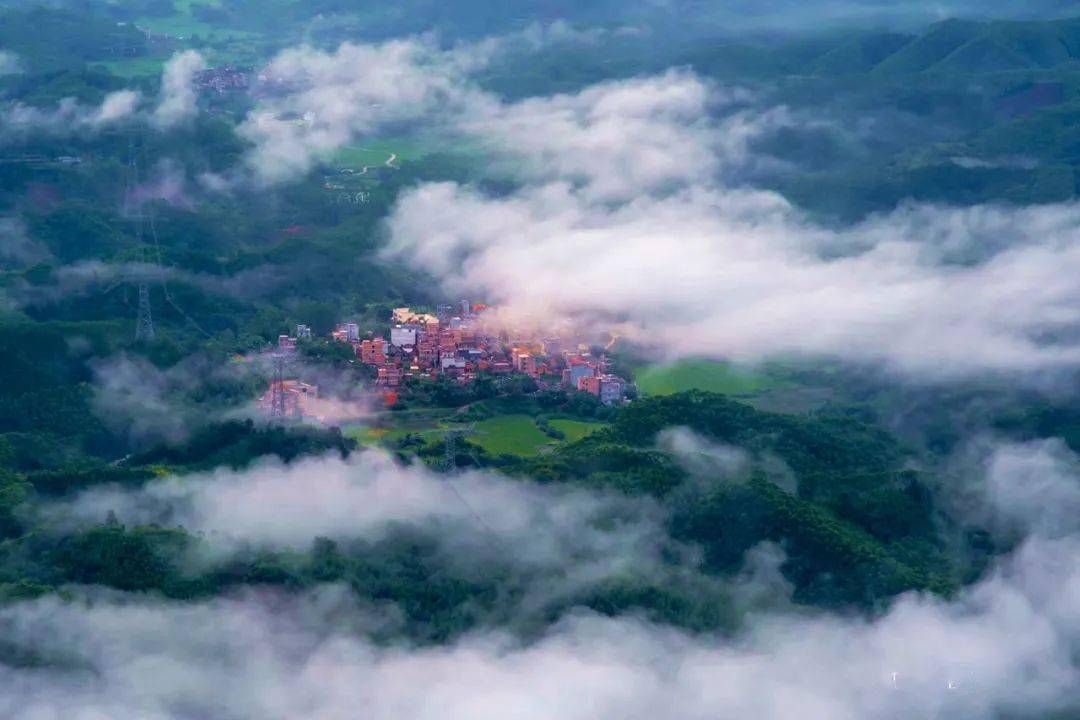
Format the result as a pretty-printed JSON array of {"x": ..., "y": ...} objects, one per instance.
[
  {"x": 537, "y": 36},
  {"x": 1002, "y": 648},
  {"x": 315, "y": 102},
  {"x": 617, "y": 140},
  {"x": 1022, "y": 489},
  {"x": 702, "y": 457},
  {"x": 68, "y": 117},
  {"x": 116, "y": 106},
  {"x": 1038, "y": 485},
  {"x": 628, "y": 214},
  {"x": 179, "y": 98},
  {"x": 177, "y": 103},
  {"x": 366, "y": 496},
  {"x": 16, "y": 247},
  {"x": 10, "y": 64},
  {"x": 131, "y": 396}
]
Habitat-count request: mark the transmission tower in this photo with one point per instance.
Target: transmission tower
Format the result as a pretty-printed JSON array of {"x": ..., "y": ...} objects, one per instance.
[
  {"x": 451, "y": 440},
  {"x": 450, "y": 461},
  {"x": 144, "y": 325},
  {"x": 277, "y": 388}
]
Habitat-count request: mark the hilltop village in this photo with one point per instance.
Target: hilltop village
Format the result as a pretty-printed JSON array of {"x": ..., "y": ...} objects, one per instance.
[{"x": 458, "y": 343}]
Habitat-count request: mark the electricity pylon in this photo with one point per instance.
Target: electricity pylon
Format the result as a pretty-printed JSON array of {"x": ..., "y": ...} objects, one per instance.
[
  {"x": 277, "y": 388},
  {"x": 144, "y": 325},
  {"x": 450, "y": 440}
]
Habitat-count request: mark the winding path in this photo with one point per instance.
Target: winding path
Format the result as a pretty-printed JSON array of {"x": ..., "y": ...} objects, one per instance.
[{"x": 389, "y": 163}]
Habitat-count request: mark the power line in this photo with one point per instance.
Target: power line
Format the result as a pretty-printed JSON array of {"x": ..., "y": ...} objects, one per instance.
[
  {"x": 144, "y": 323},
  {"x": 450, "y": 466},
  {"x": 164, "y": 283},
  {"x": 144, "y": 328},
  {"x": 472, "y": 511}
]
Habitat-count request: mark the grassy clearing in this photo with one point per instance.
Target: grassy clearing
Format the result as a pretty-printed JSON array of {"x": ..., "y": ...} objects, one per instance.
[
  {"x": 376, "y": 436},
  {"x": 794, "y": 400},
  {"x": 376, "y": 152},
  {"x": 425, "y": 422},
  {"x": 510, "y": 435},
  {"x": 185, "y": 6},
  {"x": 706, "y": 375},
  {"x": 366, "y": 436},
  {"x": 135, "y": 67},
  {"x": 576, "y": 429},
  {"x": 183, "y": 25}
]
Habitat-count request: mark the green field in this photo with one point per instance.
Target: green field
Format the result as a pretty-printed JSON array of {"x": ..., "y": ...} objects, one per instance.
[
  {"x": 510, "y": 435},
  {"x": 706, "y": 375},
  {"x": 185, "y": 6},
  {"x": 515, "y": 434},
  {"x": 135, "y": 67},
  {"x": 375, "y": 153},
  {"x": 427, "y": 423},
  {"x": 184, "y": 25},
  {"x": 576, "y": 429},
  {"x": 373, "y": 436}
]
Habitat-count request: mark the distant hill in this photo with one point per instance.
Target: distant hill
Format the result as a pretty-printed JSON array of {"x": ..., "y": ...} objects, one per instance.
[
  {"x": 933, "y": 46},
  {"x": 861, "y": 54},
  {"x": 973, "y": 47},
  {"x": 952, "y": 46}
]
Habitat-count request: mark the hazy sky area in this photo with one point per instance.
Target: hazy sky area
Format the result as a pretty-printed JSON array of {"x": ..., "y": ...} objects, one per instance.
[
  {"x": 786, "y": 16},
  {"x": 648, "y": 205}
]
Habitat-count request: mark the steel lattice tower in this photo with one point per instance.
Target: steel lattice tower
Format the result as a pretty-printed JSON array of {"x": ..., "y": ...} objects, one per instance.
[
  {"x": 450, "y": 460},
  {"x": 277, "y": 389},
  {"x": 144, "y": 325}
]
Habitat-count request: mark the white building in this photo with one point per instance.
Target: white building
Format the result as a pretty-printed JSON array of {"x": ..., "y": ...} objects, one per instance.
[
  {"x": 352, "y": 332},
  {"x": 611, "y": 389},
  {"x": 402, "y": 336},
  {"x": 580, "y": 371},
  {"x": 447, "y": 361}
]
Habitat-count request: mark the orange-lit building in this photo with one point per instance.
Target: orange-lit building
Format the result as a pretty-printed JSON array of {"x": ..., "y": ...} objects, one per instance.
[
  {"x": 590, "y": 385},
  {"x": 577, "y": 370},
  {"x": 427, "y": 350},
  {"x": 609, "y": 388},
  {"x": 527, "y": 365},
  {"x": 373, "y": 352}
]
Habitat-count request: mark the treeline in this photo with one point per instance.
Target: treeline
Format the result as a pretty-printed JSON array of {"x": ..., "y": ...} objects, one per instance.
[
  {"x": 436, "y": 596},
  {"x": 860, "y": 530},
  {"x": 52, "y": 38},
  {"x": 857, "y": 526}
]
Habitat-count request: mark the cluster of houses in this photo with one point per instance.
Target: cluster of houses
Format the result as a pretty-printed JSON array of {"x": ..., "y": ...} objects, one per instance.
[
  {"x": 221, "y": 80},
  {"x": 458, "y": 343}
]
